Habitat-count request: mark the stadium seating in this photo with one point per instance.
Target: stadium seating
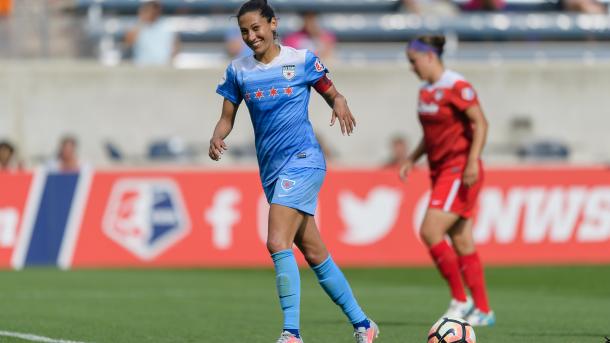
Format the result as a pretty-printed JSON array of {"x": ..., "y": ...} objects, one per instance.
[
  {"x": 397, "y": 27},
  {"x": 230, "y": 6},
  {"x": 358, "y": 20}
]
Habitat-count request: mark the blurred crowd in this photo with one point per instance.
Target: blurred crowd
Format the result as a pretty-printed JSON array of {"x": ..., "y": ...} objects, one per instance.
[{"x": 64, "y": 160}]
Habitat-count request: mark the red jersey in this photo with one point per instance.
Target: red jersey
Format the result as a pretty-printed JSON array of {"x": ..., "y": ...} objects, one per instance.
[{"x": 447, "y": 129}]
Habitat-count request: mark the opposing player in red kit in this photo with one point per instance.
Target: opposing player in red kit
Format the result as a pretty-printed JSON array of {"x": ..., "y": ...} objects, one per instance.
[{"x": 455, "y": 130}]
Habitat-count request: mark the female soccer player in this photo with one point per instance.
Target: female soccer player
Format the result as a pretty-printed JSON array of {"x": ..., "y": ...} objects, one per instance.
[
  {"x": 275, "y": 84},
  {"x": 455, "y": 130}
]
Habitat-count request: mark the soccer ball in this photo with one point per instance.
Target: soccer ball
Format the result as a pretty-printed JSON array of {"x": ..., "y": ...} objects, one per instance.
[{"x": 451, "y": 330}]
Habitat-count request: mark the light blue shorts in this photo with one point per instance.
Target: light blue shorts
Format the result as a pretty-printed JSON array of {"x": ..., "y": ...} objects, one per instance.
[{"x": 297, "y": 188}]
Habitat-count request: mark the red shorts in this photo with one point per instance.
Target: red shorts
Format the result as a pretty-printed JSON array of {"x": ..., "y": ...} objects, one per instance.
[{"x": 450, "y": 195}]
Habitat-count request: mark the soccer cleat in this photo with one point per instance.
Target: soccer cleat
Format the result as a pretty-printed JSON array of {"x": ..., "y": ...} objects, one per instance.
[
  {"x": 287, "y": 337},
  {"x": 366, "y": 335},
  {"x": 480, "y": 318},
  {"x": 459, "y": 309}
]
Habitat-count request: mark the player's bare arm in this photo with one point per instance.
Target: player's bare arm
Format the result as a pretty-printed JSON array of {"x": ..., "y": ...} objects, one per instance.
[
  {"x": 419, "y": 151},
  {"x": 480, "y": 125},
  {"x": 338, "y": 103},
  {"x": 222, "y": 130}
]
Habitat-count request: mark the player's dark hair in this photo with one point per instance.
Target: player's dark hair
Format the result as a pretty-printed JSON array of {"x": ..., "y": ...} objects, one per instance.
[
  {"x": 8, "y": 146},
  {"x": 260, "y": 6},
  {"x": 435, "y": 41}
]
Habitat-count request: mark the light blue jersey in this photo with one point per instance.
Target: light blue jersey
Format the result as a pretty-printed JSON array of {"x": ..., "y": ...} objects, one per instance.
[{"x": 277, "y": 96}]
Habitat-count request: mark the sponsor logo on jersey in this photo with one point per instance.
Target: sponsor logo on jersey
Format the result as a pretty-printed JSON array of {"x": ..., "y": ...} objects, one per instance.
[
  {"x": 289, "y": 71},
  {"x": 146, "y": 216},
  {"x": 287, "y": 184},
  {"x": 319, "y": 66},
  {"x": 438, "y": 95},
  {"x": 468, "y": 94},
  {"x": 426, "y": 108}
]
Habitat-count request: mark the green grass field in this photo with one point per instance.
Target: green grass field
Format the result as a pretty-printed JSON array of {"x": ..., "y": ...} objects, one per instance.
[{"x": 543, "y": 304}]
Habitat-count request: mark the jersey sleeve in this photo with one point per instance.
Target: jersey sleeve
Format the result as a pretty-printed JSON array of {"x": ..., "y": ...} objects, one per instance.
[
  {"x": 463, "y": 96},
  {"x": 228, "y": 86},
  {"x": 314, "y": 69}
]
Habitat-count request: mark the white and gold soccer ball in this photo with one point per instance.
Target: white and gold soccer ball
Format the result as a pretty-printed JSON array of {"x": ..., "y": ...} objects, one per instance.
[{"x": 451, "y": 330}]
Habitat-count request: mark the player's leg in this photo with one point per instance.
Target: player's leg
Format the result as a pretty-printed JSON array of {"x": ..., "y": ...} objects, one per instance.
[
  {"x": 472, "y": 270},
  {"x": 292, "y": 198},
  {"x": 332, "y": 280},
  {"x": 284, "y": 223},
  {"x": 435, "y": 226}
]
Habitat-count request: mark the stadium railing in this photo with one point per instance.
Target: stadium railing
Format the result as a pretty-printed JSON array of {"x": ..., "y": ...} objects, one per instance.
[
  {"x": 396, "y": 27},
  {"x": 231, "y": 6}
]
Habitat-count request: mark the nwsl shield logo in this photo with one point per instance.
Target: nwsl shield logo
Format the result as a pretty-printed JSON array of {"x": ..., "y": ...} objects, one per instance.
[
  {"x": 289, "y": 71},
  {"x": 287, "y": 184},
  {"x": 146, "y": 216}
]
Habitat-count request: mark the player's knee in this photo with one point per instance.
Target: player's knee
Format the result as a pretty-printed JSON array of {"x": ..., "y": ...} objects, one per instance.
[
  {"x": 314, "y": 258},
  {"x": 275, "y": 244},
  {"x": 429, "y": 237}
]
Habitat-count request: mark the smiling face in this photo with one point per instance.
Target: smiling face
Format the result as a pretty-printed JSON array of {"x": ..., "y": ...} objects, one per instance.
[{"x": 257, "y": 32}]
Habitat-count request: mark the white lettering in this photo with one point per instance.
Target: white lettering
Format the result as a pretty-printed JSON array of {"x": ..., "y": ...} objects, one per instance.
[
  {"x": 498, "y": 218},
  {"x": 596, "y": 224},
  {"x": 548, "y": 213},
  {"x": 222, "y": 216},
  {"x": 9, "y": 218}
]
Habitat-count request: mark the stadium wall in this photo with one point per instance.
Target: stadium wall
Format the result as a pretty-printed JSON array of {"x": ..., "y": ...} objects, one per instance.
[
  {"x": 129, "y": 106},
  {"x": 203, "y": 218}
]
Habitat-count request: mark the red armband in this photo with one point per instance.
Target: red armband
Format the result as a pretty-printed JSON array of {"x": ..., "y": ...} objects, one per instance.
[{"x": 323, "y": 84}]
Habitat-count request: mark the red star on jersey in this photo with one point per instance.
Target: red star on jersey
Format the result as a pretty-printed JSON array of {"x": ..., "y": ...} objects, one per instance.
[
  {"x": 288, "y": 91},
  {"x": 247, "y": 96},
  {"x": 259, "y": 94},
  {"x": 273, "y": 92}
]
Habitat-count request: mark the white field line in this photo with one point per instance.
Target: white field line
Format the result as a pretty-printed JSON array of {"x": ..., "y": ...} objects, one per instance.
[{"x": 34, "y": 338}]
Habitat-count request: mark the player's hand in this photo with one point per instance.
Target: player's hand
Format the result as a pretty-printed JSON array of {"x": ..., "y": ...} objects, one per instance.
[
  {"x": 471, "y": 174},
  {"x": 405, "y": 169},
  {"x": 217, "y": 148},
  {"x": 344, "y": 115}
]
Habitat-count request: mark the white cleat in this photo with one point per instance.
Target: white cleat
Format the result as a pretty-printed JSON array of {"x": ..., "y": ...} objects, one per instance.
[
  {"x": 363, "y": 335},
  {"x": 459, "y": 309},
  {"x": 287, "y": 337},
  {"x": 480, "y": 318}
]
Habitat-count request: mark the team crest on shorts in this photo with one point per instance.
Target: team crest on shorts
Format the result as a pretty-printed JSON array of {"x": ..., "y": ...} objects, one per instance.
[
  {"x": 287, "y": 184},
  {"x": 289, "y": 71}
]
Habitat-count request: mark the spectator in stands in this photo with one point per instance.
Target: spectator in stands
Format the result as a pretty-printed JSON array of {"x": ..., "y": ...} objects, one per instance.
[
  {"x": 400, "y": 152},
  {"x": 484, "y": 5},
  {"x": 152, "y": 41},
  {"x": 429, "y": 7},
  {"x": 67, "y": 160},
  {"x": 235, "y": 46},
  {"x": 8, "y": 161},
  {"x": 584, "y": 6},
  {"x": 313, "y": 37}
]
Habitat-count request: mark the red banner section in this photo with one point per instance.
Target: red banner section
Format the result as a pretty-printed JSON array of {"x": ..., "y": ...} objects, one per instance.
[
  {"x": 367, "y": 218},
  {"x": 14, "y": 192}
]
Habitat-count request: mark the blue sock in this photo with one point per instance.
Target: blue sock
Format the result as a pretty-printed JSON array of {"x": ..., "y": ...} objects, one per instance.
[
  {"x": 288, "y": 282},
  {"x": 336, "y": 286}
]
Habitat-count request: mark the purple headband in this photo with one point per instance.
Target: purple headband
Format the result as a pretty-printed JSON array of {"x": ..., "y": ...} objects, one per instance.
[{"x": 420, "y": 46}]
